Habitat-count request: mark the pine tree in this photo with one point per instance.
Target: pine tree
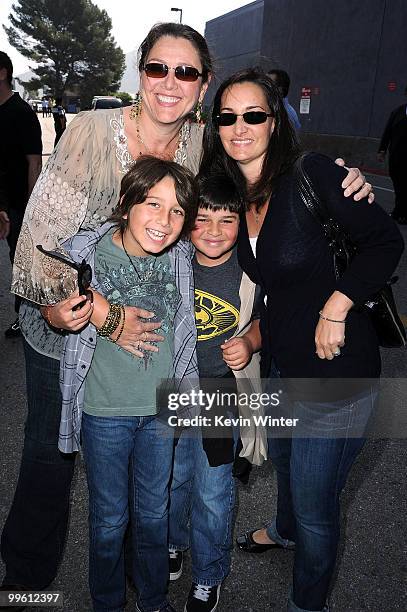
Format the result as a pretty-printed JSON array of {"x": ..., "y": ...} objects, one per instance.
[{"x": 71, "y": 42}]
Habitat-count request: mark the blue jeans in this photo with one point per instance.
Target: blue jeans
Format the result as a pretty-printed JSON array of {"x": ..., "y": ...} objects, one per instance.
[
  {"x": 202, "y": 500},
  {"x": 128, "y": 464},
  {"x": 34, "y": 534},
  {"x": 311, "y": 473}
]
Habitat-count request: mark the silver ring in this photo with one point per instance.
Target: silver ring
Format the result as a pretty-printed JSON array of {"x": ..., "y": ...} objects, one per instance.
[
  {"x": 337, "y": 352},
  {"x": 74, "y": 315}
]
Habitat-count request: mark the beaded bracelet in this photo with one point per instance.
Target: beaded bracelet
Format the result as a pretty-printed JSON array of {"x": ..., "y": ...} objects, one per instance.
[
  {"x": 321, "y": 316},
  {"x": 111, "y": 322},
  {"x": 123, "y": 315}
]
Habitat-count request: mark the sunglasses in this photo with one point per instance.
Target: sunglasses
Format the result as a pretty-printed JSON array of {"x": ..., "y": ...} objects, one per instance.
[
  {"x": 84, "y": 270},
  {"x": 250, "y": 117},
  {"x": 155, "y": 70}
]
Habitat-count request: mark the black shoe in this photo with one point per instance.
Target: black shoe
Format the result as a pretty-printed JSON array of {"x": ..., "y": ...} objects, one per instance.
[
  {"x": 14, "y": 330},
  {"x": 12, "y": 588},
  {"x": 202, "y": 598},
  {"x": 176, "y": 559},
  {"x": 245, "y": 542}
]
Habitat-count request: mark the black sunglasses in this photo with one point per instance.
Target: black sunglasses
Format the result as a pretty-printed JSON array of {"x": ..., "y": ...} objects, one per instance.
[
  {"x": 84, "y": 269},
  {"x": 155, "y": 70},
  {"x": 250, "y": 117}
]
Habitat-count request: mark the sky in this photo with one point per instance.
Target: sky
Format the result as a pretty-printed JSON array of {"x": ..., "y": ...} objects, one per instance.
[{"x": 132, "y": 19}]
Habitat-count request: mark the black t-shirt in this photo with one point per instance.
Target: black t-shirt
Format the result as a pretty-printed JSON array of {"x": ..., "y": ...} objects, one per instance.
[
  {"x": 217, "y": 306},
  {"x": 20, "y": 136}
]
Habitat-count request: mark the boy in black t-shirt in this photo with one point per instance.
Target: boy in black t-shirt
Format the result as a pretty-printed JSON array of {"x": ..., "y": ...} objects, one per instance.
[{"x": 203, "y": 487}]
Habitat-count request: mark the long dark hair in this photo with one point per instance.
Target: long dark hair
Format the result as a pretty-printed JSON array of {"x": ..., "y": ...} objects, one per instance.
[
  {"x": 143, "y": 175},
  {"x": 283, "y": 148},
  {"x": 177, "y": 30}
]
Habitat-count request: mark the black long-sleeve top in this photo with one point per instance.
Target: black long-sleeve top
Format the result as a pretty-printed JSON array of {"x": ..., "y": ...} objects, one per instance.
[
  {"x": 395, "y": 136},
  {"x": 295, "y": 267}
]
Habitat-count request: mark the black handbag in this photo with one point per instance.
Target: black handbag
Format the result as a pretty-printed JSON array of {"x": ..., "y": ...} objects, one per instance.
[{"x": 381, "y": 306}]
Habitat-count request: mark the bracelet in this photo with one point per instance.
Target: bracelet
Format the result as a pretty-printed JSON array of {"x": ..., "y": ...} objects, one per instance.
[
  {"x": 321, "y": 316},
  {"x": 112, "y": 321},
  {"x": 123, "y": 319}
]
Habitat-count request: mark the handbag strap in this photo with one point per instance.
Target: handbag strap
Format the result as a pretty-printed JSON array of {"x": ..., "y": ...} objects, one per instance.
[{"x": 315, "y": 205}]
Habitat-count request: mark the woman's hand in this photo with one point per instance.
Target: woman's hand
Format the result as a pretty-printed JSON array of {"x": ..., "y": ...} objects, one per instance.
[
  {"x": 330, "y": 331},
  {"x": 62, "y": 315},
  {"x": 329, "y": 338},
  {"x": 237, "y": 352},
  {"x": 355, "y": 183},
  {"x": 137, "y": 334}
]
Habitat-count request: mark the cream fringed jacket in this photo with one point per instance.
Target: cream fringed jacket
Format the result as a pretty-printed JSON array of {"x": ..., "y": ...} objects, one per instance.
[{"x": 78, "y": 189}]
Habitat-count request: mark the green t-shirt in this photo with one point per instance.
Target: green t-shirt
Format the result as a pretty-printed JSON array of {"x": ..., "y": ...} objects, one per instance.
[{"x": 119, "y": 384}]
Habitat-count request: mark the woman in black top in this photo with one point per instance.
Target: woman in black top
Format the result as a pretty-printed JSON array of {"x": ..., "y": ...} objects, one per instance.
[{"x": 283, "y": 248}]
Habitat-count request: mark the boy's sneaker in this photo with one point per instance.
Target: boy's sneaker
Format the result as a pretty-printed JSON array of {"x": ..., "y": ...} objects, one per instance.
[
  {"x": 175, "y": 559},
  {"x": 202, "y": 598}
]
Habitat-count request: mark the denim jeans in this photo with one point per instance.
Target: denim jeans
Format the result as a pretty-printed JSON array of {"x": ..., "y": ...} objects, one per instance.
[
  {"x": 202, "y": 500},
  {"x": 128, "y": 464},
  {"x": 34, "y": 534},
  {"x": 311, "y": 473}
]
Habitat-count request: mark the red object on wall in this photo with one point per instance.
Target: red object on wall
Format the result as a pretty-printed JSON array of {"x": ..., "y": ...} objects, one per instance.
[
  {"x": 392, "y": 85},
  {"x": 306, "y": 92}
]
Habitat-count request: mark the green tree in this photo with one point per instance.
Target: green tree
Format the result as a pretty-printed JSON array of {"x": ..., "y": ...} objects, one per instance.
[
  {"x": 71, "y": 42},
  {"x": 124, "y": 96}
]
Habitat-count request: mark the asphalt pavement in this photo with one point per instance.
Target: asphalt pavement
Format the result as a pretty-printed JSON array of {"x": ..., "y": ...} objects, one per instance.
[{"x": 372, "y": 566}]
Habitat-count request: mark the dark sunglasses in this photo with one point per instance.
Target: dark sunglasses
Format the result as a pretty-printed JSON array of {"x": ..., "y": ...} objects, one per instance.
[
  {"x": 250, "y": 117},
  {"x": 155, "y": 70},
  {"x": 84, "y": 269}
]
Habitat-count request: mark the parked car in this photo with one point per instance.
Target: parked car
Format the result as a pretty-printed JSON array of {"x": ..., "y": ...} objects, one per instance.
[
  {"x": 100, "y": 102},
  {"x": 36, "y": 105}
]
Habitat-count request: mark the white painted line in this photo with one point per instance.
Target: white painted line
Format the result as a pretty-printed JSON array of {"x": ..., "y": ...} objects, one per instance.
[{"x": 382, "y": 188}]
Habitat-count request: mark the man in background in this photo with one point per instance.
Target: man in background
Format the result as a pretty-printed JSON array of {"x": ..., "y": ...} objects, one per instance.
[
  {"x": 282, "y": 81},
  {"x": 58, "y": 114},
  {"x": 394, "y": 140},
  {"x": 20, "y": 163}
]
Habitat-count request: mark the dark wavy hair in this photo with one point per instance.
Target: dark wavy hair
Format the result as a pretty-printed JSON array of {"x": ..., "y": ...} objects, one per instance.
[
  {"x": 283, "y": 148},
  {"x": 5, "y": 62},
  {"x": 177, "y": 30},
  {"x": 143, "y": 175},
  {"x": 218, "y": 192}
]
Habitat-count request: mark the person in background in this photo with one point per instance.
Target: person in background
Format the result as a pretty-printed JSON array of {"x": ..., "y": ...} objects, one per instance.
[
  {"x": 44, "y": 106},
  {"x": 394, "y": 140},
  {"x": 58, "y": 113},
  {"x": 20, "y": 163},
  {"x": 282, "y": 80}
]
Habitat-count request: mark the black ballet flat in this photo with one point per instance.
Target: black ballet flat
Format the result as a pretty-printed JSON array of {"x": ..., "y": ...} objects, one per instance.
[{"x": 246, "y": 543}]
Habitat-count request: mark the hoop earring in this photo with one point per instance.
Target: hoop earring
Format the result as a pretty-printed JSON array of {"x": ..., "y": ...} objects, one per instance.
[
  {"x": 198, "y": 112},
  {"x": 135, "y": 110}
]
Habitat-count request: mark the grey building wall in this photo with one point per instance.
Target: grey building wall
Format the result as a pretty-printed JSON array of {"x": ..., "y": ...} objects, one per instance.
[
  {"x": 234, "y": 40},
  {"x": 350, "y": 50},
  {"x": 347, "y": 52}
]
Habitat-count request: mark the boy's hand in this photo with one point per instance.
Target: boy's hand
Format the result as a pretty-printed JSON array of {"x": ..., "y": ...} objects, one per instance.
[{"x": 237, "y": 352}]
